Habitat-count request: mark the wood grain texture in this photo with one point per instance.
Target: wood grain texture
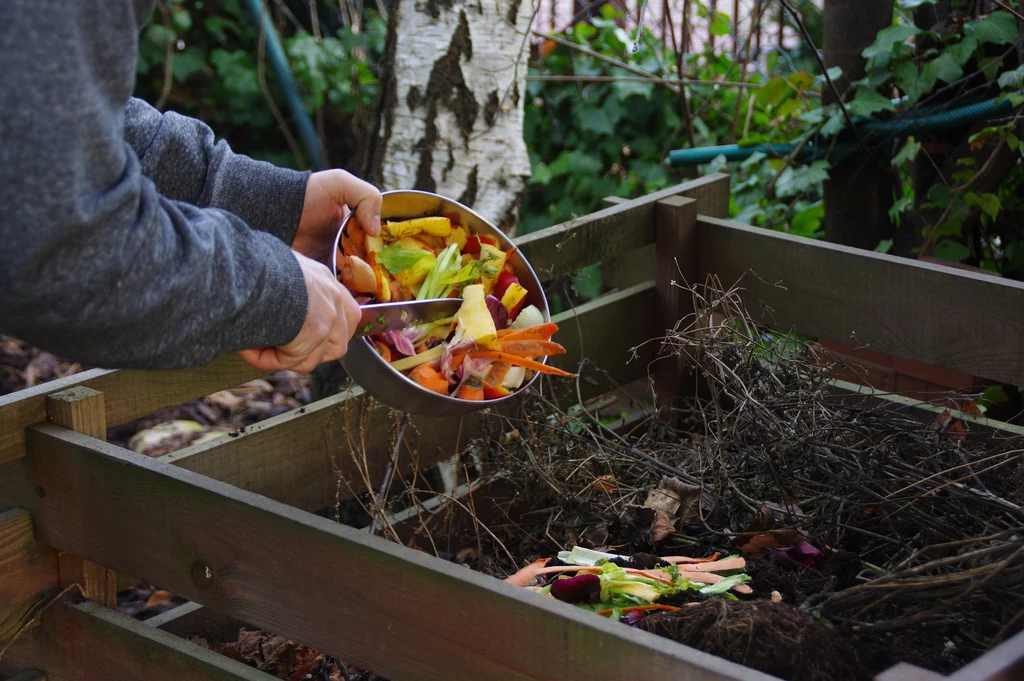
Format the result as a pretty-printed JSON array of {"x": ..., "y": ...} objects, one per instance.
[
  {"x": 192, "y": 619},
  {"x": 28, "y": 570},
  {"x": 81, "y": 409},
  {"x": 88, "y": 643},
  {"x": 919, "y": 311},
  {"x": 128, "y": 395},
  {"x": 676, "y": 239},
  {"x": 29, "y": 676},
  {"x": 361, "y": 599},
  {"x": 296, "y": 458},
  {"x": 570, "y": 246}
]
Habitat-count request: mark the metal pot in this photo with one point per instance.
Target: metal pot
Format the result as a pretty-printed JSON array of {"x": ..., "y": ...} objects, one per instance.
[{"x": 369, "y": 369}]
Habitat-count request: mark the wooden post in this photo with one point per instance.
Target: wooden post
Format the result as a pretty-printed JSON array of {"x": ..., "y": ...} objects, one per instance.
[
  {"x": 675, "y": 228},
  {"x": 82, "y": 410}
]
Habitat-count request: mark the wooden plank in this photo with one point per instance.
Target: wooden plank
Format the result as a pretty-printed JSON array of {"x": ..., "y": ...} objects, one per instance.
[
  {"x": 129, "y": 395},
  {"x": 676, "y": 239},
  {"x": 908, "y": 672},
  {"x": 29, "y": 676},
  {"x": 359, "y": 598},
  {"x": 296, "y": 458},
  {"x": 927, "y": 412},
  {"x": 81, "y": 409},
  {"x": 28, "y": 570},
  {"x": 1005, "y": 662},
  {"x": 571, "y": 246},
  {"x": 929, "y": 313},
  {"x": 86, "y": 642},
  {"x": 192, "y": 619}
]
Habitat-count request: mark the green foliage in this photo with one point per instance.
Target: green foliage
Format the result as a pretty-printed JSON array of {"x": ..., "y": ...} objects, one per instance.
[
  {"x": 213, "y": 51},
  {"x": 592, "y": 140}
]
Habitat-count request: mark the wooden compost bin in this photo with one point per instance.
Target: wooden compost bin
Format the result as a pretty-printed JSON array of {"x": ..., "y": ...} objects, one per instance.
[{"x": 230, "y": 523}]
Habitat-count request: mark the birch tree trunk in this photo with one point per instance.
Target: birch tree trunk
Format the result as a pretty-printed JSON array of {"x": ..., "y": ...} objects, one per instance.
[{"x": 450, "y": 110}]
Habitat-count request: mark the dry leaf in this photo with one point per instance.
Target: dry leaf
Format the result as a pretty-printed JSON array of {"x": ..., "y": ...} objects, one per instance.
[
  {"x": 682, "y": 502},
  {"x": 605, "y": 482},
  {"x": 775, "y": 539},
  {"x": 662, "y": 528},
  {"x": 158, "y": 598}
]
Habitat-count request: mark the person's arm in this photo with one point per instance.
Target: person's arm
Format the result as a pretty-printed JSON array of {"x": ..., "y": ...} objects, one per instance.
[
  {"x": 96, "y": 265},
  {"x": 187, "y": 163}
]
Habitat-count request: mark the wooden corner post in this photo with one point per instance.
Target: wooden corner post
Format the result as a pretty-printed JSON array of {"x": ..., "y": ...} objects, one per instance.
[
  {"x": 675, "y": 227},
  {"x": 82, "y": 410}
]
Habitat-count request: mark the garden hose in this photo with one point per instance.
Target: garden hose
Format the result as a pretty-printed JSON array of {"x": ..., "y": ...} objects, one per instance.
[
  {"x": 871, "y": 131},
  {"x": 278, "y": 60}
]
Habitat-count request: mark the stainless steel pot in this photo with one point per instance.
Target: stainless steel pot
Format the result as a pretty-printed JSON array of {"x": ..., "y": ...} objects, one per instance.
[{"x": 369, "y": 369}]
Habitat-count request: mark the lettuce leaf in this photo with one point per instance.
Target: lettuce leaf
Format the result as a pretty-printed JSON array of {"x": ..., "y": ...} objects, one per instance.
[
  {"x": 397, "y": 258},
  {"x": 724, "y": 585}
]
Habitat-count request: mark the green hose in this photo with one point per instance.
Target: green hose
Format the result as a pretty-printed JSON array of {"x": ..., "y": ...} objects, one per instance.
[
  {"x": 871, "y": 132},
  {"x": 278, "y": 60}
]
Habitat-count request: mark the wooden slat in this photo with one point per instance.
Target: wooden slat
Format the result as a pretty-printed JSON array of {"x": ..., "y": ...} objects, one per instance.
[
  {"x": 289, "y": 457},
  {"x": 676, "y": 239},
  {"x": 192, "y": 619},
  {"x": 927, "y": 412},
  {"x": 361, "y": 599},
  {"x": 920, "y": 311},
  {"x": 129, "y": 395},
  {"x": 29, "y": 676},
  {"x": 86, "y": 642},
  {"x": 81, "y": 410},
  {"x": 571, "y": 246},
  {"x": 1005, "y": 662},
  {"x": 28, "y": 570}
]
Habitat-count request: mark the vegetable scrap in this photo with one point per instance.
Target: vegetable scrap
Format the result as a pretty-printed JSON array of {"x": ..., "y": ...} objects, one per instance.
[
  {"x": 626, "y": 589},
  {"x": 496, "y": 341}
]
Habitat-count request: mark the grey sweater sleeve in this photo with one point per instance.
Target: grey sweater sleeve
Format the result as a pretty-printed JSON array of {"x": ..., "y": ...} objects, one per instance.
[
  {"x": 181, "y": 156},
  {"x": 95, "y": 264}
]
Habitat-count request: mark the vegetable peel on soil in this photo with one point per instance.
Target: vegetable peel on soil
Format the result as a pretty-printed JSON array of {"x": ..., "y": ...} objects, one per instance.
[{"x": 612, "y": 589}]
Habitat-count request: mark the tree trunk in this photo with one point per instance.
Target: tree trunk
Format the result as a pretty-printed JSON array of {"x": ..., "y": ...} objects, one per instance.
[
  {"x": 450, "y": 110},
  {"x": 858, "y": 194}
]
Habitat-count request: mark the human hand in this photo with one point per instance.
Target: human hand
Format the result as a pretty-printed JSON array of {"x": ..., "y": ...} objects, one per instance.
[
  {"x": 332, "y": 316},
  {"x": 329, "y": 196}
]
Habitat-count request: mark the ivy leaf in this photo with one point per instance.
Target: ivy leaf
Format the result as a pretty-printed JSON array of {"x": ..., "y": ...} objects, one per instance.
[
  {"x": 946, "y": 68},
  {"x": 1012, "y": 80},
  {"x": 187, "y": 62},
  {"x": 834, "y": 74},
  {"x": 911, "y": 4},
  {"x": 999, "y": 28},
  {"x": 868, "y": 102},
  {"x": 884, "y": 246},
  {"x": 950, "y": 250},
  {"x": 720, "y": 25},
  {"x": 541, "y": 174},
  {"x": 962, "y": 51},
  {"x": 989, "y": 203},
  {"x": 878, "y": 52},
  {"x": 160, "y": 34},
  {"x": 772, "y": 92},
  {"x": 793, "y": 182},
  {"x": 907, "y": 153},
  {"x": 595, "y": 120},
  {"x": 808, "y": 221}
]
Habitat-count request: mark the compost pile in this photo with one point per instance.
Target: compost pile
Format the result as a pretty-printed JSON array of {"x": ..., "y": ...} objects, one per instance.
[{"x": 884, "y": 536}]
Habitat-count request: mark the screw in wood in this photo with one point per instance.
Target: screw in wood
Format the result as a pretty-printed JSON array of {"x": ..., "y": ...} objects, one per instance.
[{"x": 202, "y": 574}]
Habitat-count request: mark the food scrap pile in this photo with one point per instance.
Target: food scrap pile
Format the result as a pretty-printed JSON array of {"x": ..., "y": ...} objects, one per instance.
[
  {"x": 490, "y": 347},
  {"x": 628, "y": 588}
]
